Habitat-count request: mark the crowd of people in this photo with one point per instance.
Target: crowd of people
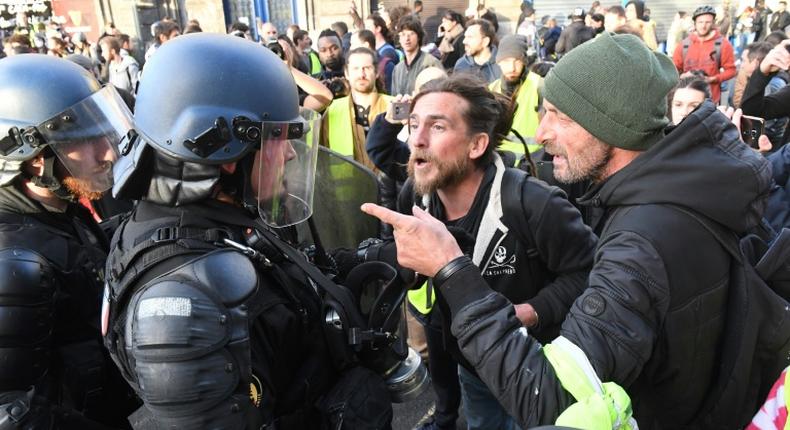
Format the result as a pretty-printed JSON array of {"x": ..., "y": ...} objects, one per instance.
[{"x": 584, "y": 222}]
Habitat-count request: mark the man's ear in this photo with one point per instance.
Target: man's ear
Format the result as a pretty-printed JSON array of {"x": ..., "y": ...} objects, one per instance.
[{"x": 478, "y": 146}]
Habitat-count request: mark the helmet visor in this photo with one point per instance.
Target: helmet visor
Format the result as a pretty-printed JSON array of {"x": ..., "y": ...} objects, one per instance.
[
  {"x": 285, "y": 169},
  {"x": 85, "y": 137}
]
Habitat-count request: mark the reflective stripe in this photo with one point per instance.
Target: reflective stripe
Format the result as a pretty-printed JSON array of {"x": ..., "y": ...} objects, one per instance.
[
  {"x": 420, "y": 299},
  {"x": 599, "y": 406}
]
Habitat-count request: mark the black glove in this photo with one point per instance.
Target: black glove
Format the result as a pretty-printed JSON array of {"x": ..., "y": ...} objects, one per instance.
[{"x": 345, "y": 260}]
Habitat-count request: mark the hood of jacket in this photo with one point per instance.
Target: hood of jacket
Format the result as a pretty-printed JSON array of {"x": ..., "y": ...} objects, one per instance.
[{"x": 700, "y": 164}]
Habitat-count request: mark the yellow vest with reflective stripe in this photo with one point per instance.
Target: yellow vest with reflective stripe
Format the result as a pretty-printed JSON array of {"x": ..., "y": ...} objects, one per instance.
[
  {"x": 525, "y": 118},
  {"x": 420, "y": 299},
  {"x": 599, "y": 406}
]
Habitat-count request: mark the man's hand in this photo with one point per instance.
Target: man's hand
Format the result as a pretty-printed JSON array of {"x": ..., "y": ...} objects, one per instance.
[
  {"x": 777, "y": 59},
  {"x": 763, "y": 143},
  {"x": 526, "y": 314},
  {"x": 390, "y": 110},
  {"x": 423, "y": 242}
]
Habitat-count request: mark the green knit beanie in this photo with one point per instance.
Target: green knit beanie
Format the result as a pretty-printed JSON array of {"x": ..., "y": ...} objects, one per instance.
[{"x": 616, "y": 88}]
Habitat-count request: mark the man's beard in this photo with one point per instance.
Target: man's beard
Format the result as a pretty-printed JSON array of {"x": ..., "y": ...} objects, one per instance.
[
  {"x": 364, "y": 88},
  {"x": 448, "y": 172},
  {"x": 335, "y": 64},
  {"x": 81, "y": 188},
  {"x": 590, "y": 164}
]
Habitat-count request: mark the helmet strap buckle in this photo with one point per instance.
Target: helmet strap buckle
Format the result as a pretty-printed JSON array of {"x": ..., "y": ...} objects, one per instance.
[{"x": 210, "y": 140}]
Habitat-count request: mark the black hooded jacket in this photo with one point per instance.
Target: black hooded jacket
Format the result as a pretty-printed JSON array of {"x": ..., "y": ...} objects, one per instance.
[{"x": 653, "y": 314}]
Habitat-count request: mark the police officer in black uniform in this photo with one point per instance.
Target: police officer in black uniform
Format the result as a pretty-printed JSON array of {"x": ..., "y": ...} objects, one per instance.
[
  {"x": 210, "y": 318},
  {"x": 59, "y": 131}
]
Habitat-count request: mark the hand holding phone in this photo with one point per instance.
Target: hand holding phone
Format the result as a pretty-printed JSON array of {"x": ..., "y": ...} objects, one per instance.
[
  {"x": 401, "y": 110},
  {"x": 752, "y": 128}
]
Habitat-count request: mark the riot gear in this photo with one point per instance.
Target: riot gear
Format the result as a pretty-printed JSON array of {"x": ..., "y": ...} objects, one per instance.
[
  {"x": 53, "y": 370},
  {"x": 77, "y": 122}
]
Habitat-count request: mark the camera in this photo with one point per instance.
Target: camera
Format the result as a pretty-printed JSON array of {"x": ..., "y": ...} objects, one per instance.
[{"x": 338, "y": 86}]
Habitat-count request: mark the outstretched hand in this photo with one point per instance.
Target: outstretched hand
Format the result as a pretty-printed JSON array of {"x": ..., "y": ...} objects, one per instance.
[
  {"x": 424, "y": 243},
  {"x": 763, "y": 143}
]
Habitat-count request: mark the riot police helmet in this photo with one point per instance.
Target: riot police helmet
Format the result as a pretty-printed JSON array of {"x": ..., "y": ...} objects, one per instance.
[
  {"x": 207, "y": 100},
  {"x": 55, "y": 109}
]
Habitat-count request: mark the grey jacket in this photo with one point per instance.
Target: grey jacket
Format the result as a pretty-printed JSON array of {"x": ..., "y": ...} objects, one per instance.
[{"x": 404, "y": 75}]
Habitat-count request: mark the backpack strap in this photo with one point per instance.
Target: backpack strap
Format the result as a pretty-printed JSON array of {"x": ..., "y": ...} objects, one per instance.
[
  {"x": 513, "y": 182},
  {"x": 686, "y": 44},
  {"x": 728, "y": 240}
]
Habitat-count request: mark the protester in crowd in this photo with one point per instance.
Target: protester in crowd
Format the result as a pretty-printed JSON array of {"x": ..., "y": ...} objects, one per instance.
[
  {"x": 575, "y": 33},
  {"x": 293, "y": 28},
  {"x": 54, "y": 370},
  {"x": 750, "y": 62},
  {"x": 418, "y": 9},
  {"x": 385, "y": 48},
  {"x": 124, "y": 70},
  {"x": 469, "y": 112},
  {"x": 192, "y": 28},
  {"x": 347, "y": 120},
  {"x": 597, "y": 21},
  {"x": 330, "y": 53},
  {"x": 780, "y": 18},
  {"x": 614, "y": 18},
  {"x": 706, "y": 51},
  {"x": 450, "y": 38},
  {"x": 480, "y": 42},
  {"x": 687, "y": 95},
  {"x": 163, "y": 31},
  {"x": 268, "y": 32},
  {"x": 635, "y": 16},
  {"x": 304, "y": 47},
  {"x": 776, "y": 37},
  {"x": 83, "y": 46},
  {"x": 744, "y": 29},
  {"x": 522, "y": 87},
  {"x": 724, "y": 20},
  {"x": 341, "y": 28},
  {"x": 529, "y": 28},
  {"x": 17, "y": 44},
  {"x": 240, "y": 29},
  {"x": 549, "y": 35},
  {"x": 756, "y": 101},
  {"x": 411, "y": 35},
  {"x": 632, "y": 325},
  {"x": 363, "y": 39},
  {"x": 57, "y": 47},
  {"x": 394, "y": 15}
]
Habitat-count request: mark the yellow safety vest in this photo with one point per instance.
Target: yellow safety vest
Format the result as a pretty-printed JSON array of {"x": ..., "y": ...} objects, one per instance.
[
  {"x": 525, "y": 119},
  {"x": 599, "y": 406},
  {"x": 314, "y": 67},
  {"x": 420, "y": 298},
  {"x": 341, "y": 123}
]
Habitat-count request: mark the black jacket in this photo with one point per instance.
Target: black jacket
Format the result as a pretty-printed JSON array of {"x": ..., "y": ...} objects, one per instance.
[
  {"x": 535, "y": 250},
  {"x": 652, "y": 315}
]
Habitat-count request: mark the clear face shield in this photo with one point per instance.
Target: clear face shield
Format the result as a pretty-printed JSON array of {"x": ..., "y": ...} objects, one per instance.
[
  {"x": 85, "y": 137},
  {"x": 284, "y": 169}
]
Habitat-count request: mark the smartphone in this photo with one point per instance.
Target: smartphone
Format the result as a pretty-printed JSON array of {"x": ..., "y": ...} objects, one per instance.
[
  {"x": 400, "y": 110},
  {"x": 751, "y": 129}
]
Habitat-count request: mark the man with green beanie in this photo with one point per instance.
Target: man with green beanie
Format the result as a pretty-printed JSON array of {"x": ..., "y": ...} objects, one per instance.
[{"x": 652, "y": 318}]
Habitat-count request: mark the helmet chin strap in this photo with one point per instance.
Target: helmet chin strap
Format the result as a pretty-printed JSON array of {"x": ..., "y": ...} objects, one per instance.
[{"x": 49, "y": 181}]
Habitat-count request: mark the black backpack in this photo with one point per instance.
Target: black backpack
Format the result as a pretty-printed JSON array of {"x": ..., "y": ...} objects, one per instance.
[{"x": 756, "y": 343}]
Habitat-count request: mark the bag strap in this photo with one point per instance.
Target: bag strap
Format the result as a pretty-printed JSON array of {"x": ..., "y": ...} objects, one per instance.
[
  {"x": 513, "y": 182},
  {"x": 339, "y": 293},
  {"x": 728, "y": 240}
]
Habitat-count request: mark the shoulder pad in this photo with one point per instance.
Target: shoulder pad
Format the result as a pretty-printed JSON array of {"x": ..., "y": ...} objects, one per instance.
[
  {"x": 24, "y": 274},
  {"x": 227, "y": 272}
]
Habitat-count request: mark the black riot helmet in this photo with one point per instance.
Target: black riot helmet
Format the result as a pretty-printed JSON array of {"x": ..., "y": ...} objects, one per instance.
[
  {"x": 53, "y": 107},
  {"x": 208, "y": 99}
]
